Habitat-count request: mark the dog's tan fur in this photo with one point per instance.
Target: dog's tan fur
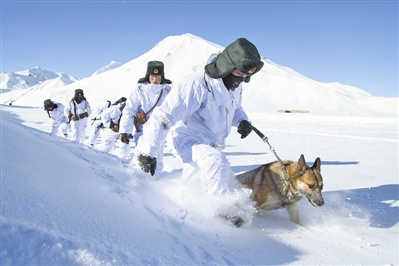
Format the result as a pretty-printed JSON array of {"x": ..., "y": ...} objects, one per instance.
[{"x": 271, "y": 191}]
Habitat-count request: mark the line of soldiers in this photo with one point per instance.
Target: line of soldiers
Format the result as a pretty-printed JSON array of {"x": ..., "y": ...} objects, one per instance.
[{"x": 150, "y": 92}]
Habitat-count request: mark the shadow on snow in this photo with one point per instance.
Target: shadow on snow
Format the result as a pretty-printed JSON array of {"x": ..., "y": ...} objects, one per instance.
[{"x": 378, "y": 204}]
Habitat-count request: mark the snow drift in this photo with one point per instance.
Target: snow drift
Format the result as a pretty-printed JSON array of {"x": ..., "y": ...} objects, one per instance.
[{"x": 68, "y": 204}]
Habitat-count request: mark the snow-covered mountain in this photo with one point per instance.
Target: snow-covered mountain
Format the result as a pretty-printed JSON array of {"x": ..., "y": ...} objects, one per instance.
[
  {"x": 274, "y": 88},
  {"x": 31, "y": 77},
  {"x": 111, "y": 65}
]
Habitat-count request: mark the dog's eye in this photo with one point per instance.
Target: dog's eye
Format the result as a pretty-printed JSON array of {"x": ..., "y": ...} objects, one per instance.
[{"x": 311, "y": 186}]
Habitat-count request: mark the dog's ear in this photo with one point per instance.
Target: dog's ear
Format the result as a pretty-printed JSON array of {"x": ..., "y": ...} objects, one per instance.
[
  {"x": 302, "y": 164},
  {"x": 317, "y": 164}
]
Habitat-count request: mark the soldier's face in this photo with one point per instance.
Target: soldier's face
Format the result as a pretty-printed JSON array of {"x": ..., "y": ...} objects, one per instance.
[
  {"x": 79, "y": 98},
  {"x": 155, "y": 79}
]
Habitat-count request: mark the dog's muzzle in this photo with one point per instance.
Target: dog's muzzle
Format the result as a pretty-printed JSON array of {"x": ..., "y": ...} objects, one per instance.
[{"x": 316, "y": 201}]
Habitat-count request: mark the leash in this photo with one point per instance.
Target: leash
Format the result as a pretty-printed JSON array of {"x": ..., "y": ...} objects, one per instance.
[{"x": 286, "y": 177}]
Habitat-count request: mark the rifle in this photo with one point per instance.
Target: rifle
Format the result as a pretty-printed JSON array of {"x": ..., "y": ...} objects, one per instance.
[{"x": 94, "y": 120}]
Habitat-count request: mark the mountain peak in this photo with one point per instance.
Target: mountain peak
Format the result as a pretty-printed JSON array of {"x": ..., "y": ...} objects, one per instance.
[
  {"x": 111, "y": 65},
  {"x": 28, "y": 78},
  {"x": 272, "y": 89}
]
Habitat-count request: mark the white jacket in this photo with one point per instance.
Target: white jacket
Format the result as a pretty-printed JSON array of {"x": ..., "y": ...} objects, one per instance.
[
  {"x": 101, "y": 109},
  {"x": 75, "y": 108},
  {"x": 142, "y": 99},
  {"x": 57, "y": 114},
  {"x": 112, "y": 113},
  {"x": 203, "y": 111}
]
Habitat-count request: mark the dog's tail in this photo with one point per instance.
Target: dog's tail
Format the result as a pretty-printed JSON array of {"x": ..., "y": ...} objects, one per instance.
[{"x": 247, "y": 178}]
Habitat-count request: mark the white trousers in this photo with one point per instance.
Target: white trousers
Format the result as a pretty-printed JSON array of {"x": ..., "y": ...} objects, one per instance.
[
  {"x": 78, "y": 130},
  {"x": 108, "y": 140},
  {"x": 58, "y": 125},
  {"x": 94, "y": 131},
  {"x": 212, "y": 167}
]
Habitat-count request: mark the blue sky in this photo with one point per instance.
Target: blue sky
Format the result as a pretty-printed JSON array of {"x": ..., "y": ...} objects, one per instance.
[{"x": 351, "y": 42}]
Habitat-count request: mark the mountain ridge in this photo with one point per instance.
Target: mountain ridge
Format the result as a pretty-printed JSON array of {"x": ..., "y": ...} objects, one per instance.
[
  {"x": 274, "y": 88},
  {"x": 28, "y": 78}
]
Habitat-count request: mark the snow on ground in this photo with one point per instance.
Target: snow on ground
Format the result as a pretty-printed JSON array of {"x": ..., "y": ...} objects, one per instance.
[{"x": 64, "y": 203}]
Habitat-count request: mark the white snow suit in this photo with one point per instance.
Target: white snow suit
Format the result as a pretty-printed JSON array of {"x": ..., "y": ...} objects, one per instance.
[
  {"x": 142, "y": 99},
  {"x": 96, "y": 124},
  {"x": 108, "y": 137},
  {"x": 203, "y": 111},
  {"x": 58, "y": 120},
  {"x": 78, "y": 128}
]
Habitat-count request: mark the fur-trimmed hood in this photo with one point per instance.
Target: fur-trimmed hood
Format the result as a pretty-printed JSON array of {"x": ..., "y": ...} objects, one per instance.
[{"x": 241, "y": 55}]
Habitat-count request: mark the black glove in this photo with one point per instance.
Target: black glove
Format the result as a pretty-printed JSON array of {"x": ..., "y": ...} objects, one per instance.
[
  {"x": 124, "y": 138},
  {"x": 244, "y": 128},
  {"x": 83, "y": 115},
  {"x": 147, "y": 163}
]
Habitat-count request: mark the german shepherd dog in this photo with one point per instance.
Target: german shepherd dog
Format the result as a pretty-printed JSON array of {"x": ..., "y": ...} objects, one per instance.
[{"x": 273, "y": 189}]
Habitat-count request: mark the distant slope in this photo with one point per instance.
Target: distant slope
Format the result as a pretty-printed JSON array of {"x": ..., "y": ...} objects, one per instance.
[
  {"x": 111, "y": 65},
  {"x": 274, "y": 88}
]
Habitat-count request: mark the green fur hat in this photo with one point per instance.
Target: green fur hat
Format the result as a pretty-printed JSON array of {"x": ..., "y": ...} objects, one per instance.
[
  {"x": 120, "y": 100},
  {"x": 48, "y": 103},
  {"x": 155, "y": 68},
  {"x": 241, "y": 55},
  {"x": 77, "y": 92}
]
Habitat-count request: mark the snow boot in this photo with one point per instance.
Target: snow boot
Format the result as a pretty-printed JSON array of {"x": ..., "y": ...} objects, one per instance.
[{"x": 237, "y": 221}]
